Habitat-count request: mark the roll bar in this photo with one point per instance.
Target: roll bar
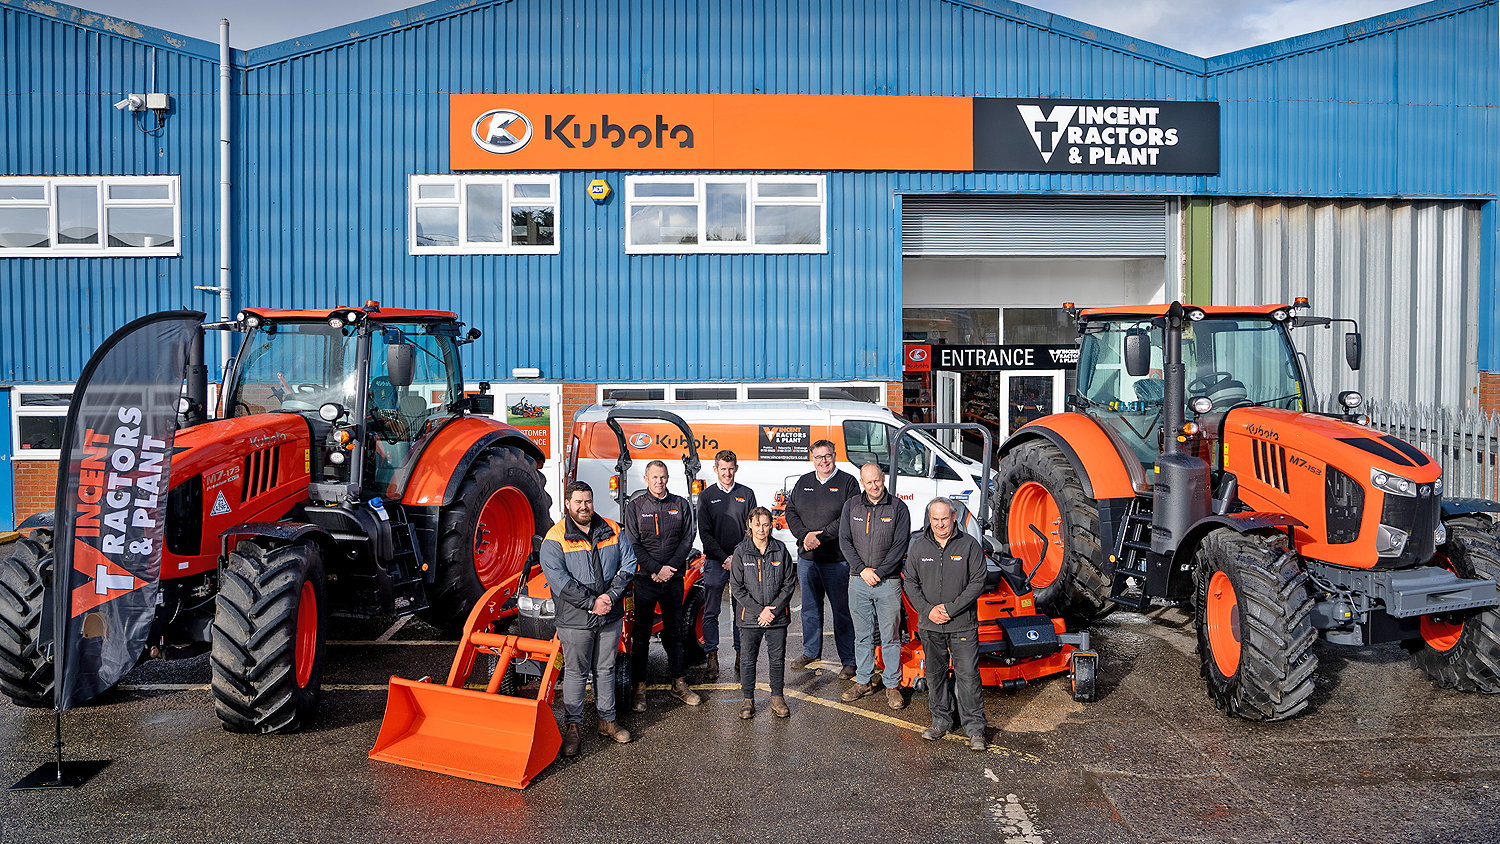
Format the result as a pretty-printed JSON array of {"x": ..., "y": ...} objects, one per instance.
[
  {"x": 690, "y": 462},
  {"x": 983, "y": 512}
]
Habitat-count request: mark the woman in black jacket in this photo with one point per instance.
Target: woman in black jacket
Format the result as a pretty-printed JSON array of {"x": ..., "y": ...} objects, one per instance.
[{"x": 762, "y": 578}]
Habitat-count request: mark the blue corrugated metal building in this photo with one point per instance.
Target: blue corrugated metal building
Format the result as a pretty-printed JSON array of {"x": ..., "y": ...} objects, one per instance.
[{"x": 1355, "y": 164}]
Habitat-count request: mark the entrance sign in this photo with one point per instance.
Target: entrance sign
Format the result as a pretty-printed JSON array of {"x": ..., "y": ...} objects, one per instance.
[{"x": 990, "y": 358}]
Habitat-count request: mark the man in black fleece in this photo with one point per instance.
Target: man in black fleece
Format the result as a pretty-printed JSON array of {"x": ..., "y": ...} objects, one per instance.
[
  {"x": 722, "y": 510},
  {"x": 660, "y": 527},
  {"x": 944, "y": 578},
  {"x": 813, "y": 507},
  {"x": 875, "y": 528}
]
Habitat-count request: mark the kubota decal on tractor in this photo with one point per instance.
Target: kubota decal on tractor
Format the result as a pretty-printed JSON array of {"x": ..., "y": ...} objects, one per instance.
[{"x": 1190, "y": 470}]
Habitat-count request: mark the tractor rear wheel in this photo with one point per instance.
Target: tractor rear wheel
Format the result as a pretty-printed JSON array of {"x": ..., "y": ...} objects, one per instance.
[
  {"x": 1463, "y": 651},
  {"x": 486, "y": 533},
  {"x": 1053, "y": 528},
  {"x": 268, "y": 640},
  {"x": 1255, "y": 633},
  {"x": 25, "y": 672}
]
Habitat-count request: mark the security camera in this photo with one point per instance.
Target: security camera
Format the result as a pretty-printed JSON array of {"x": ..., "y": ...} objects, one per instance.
[{"x": 132, "y": 102}]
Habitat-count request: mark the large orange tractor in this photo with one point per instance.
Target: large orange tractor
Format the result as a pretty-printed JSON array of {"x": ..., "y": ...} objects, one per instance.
[
  {"x": 1189, "y": 470},
  {"x": 348, "y": 475}
]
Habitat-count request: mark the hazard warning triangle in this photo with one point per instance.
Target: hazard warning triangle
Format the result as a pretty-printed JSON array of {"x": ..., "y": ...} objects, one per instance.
[{"x": 221, "y": 505}]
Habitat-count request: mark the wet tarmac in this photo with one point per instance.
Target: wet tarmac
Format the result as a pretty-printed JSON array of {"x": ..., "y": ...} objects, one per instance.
[{"x": 1384, "y": 756}]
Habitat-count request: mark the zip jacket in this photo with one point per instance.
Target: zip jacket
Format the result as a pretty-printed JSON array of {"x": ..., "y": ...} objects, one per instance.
[
  {"x": 582, "y": 566},
  {"x": 759, "y": 580},
  {"x": 874, "y": 536},
  {"x": 721, "y": 519},
  {"x": 951, "y": 575},
  {"x": 813, "y": 507},
  {"x": 661, "y": 529}
]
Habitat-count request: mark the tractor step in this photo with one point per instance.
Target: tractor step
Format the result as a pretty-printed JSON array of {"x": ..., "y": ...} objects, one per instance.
[{"x": 1131, "y": 557}]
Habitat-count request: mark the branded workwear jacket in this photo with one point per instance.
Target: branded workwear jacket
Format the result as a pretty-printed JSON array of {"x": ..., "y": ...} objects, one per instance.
[
  {"x": 814, "y": 507},
  {"x": 759, "y": 580},
  {"x": 875, "y": 535},
  {"x": 662, "y": 531},
  {"x": 952, "y": 575},
  {"x": 721, "y": 519},
  {"x": 580, "y": 566}
]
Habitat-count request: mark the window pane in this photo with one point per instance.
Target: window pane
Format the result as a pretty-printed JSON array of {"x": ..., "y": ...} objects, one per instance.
[
  {"x": 635, "y": 394},
  {"x": 437, "y": 226},
  {"x": 663, "y": 188},
  {"x": 775, "y": 189},
  {"x": 530, "y": 191},
  {"x": 45, "y": 399},
  {"x": 531, "y": 226},
  {"x": 726, "y": 213},
  {"x": 1038, "y": 325},
  {"x": 865, "y": 394},
  {"x": 788, "y": 224},
  {"x": 706, "y": 394},
  {"x": 41, "y": 431},
  {"x": 133, "y": 191},
  {"x": 776, "y": 393},
  {"x": 446, "y": 190},
  {"x": 77, "y": 214},
  {"x": 23, "y": 227},
  {"x": 969, "y": 326},
  {"x": 485, "y": 203},
  {"x": 143, "y": 227},
  {"x": 663, "y": 224},
  {"x": 10, "y": 190}
]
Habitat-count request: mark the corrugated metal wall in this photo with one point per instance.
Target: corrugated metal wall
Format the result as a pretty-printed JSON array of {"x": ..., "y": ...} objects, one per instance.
[{"x": 1408, "y": 271}]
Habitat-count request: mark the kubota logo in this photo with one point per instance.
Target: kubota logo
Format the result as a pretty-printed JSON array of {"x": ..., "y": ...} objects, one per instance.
[
  {"x": 640, "y": 439},
  {"x": 918, "y": 354},
  {"x": 502, "y": 130}
]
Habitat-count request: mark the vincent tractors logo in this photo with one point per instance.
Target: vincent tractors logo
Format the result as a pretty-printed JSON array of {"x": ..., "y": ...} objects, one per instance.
[
  {"x": 1116, "y": 136},
  {"x": 1102, "y": 134}
]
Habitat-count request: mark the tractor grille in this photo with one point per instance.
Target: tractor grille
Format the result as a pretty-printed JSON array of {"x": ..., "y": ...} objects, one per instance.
[
  {"x": 1270, "y": 464},
  {"x": 1419, "y": 518},
  {"x": 1345, "y": 504},
  {"x": 262, "y": 469}
]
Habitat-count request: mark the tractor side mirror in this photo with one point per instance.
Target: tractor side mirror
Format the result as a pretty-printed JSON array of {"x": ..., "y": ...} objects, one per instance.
[
  {"x": 1137, "y": 352},
  {"x": 1352, "y": 350},
  {"x": 400, "y": 363}
]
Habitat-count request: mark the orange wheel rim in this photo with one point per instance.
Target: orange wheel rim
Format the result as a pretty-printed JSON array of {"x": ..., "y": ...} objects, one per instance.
[
  {"x": 502, "y": 536},
  {"x": 306, "y": 652},
  {"x": 1033, "y": 510},
  {"x": 1223, "y": 619}
]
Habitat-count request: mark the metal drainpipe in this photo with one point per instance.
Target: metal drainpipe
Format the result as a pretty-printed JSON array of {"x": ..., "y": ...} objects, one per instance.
[{"x": 226, "y": 302}]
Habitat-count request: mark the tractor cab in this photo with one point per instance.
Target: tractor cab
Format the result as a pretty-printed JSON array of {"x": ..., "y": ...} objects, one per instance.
[{"x": 372, "y": 384}]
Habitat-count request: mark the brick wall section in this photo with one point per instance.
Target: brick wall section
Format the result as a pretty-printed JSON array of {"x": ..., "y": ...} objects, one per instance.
[
  {"x": 895, "y": 397},
  {"x": 1489, "y": 392},
  {"x": 575, "y": 397},
  {"x": 36, "y": 486}
]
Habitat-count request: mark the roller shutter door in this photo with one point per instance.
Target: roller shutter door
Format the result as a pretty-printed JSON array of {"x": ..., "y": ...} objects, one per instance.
[{"x": 994, "y": 226}]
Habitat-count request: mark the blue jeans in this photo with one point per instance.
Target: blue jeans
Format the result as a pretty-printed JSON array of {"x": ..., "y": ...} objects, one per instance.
[
  {"x": 585, "y": 653},
  {"x": 714, "y": 595},
  {"x": 877, "y": 621},
  {"x": 817, "y": 581}
]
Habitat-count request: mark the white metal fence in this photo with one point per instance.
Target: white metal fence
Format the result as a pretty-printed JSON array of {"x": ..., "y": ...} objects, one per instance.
[{"x": 1466, "y": 443}]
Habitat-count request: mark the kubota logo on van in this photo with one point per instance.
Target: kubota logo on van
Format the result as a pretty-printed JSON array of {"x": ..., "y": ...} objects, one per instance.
[{"x": 640, "y": 439}]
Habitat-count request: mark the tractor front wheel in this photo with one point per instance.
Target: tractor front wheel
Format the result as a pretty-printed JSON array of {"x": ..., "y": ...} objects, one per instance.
[
  {"x": 487, "y": 533},
  {"x": 1255, "y": 633},
  {"x": 690, "y": 633},
  {"x": 1462, "y": 651},
  {"x": 25, "y": 672},
  {"x": 268, "y": 637},
  {"x": 1053, "y": 528}
]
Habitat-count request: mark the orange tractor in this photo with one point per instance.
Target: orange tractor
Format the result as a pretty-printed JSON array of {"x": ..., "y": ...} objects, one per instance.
[
  {"x": 347, "y": 475},
  {"x": 1189, "y": 470}
]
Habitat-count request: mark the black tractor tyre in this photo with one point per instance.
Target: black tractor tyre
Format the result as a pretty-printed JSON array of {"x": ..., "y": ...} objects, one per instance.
[
  {"x": 25, "y": 672},
  {"x": 267, "y": 665},
  {"x": 1080, "y": 592},
  {"x": 690, "y": 625},
  {"x": 1471, "y": 662},
  {"x": 464, "y": 526},
  {"x": 1254, "y": 605}
]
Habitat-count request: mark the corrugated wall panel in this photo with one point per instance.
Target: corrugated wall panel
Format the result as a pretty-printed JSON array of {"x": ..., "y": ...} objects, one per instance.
[{"x": 1407, "y": 271}]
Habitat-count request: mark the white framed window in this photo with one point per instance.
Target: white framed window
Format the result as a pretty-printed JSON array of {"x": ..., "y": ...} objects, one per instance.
[
  {"x": 74, "y": 216},
  {"x": 483, "y": 215},
  {"x": 872, "y": 392},
  {"x": 39, "y": 412},
  {"x": 725, "y": 213}
]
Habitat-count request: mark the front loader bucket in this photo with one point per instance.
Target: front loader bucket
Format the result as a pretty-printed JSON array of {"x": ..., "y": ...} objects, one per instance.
[{"x": 478, "y": 735}]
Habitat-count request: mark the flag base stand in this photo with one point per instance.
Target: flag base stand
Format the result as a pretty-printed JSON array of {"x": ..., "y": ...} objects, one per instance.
[{"x": 60, "y": 775}]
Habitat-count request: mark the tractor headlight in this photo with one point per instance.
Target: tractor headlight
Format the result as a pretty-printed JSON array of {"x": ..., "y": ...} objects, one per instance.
[
  {"x": 351, "y": 316},
  {"x": 1281, "y": 314},
  {"x": 1351, "y": 399},
  {"x": 1393, "y": 484},
  {"x": 330, "y": 412},
  {"x": 1194, "y": 314},
  {"x": 1389, "y": 541},
  {"x": 252, "y": 321},
  {"x": 335, "y": 322},
  {"x": 534, "y": 607},
  {"x": 1200, "y": 404},
  {"x": 1440, "y": 535},
  {"x": 337, "y": 458}
]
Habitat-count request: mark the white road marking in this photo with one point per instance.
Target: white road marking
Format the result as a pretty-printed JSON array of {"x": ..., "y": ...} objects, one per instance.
[
  {"x": 1013, "y": 821},
  {"x": 365, "y": 643},
  {"x": 990, "y": 775},
  {"x": 391, "y": 631}
]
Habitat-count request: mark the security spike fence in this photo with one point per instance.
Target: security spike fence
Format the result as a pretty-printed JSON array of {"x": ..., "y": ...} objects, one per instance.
[{"x": 1466, "y": 443}]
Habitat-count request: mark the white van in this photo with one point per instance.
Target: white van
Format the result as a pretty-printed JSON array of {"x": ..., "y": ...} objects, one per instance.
[{"x": 772, "y": 440}]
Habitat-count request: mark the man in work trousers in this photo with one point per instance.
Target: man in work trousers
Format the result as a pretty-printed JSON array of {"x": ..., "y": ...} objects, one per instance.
[
  {"x": 944, "y": 578},
  {"x": 722, "y": 510},
  {"x": 875, "y": 528},
  {"x": 589, "y": 565},
  {"x": 812, "y": 514},
  {"x": 660, "y": 526}
]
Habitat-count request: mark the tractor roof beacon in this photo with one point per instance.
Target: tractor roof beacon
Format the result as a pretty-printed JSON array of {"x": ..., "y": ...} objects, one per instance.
[{"x": 1189, "y": 469}]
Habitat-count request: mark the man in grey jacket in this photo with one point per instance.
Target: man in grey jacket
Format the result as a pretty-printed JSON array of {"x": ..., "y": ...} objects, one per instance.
[
  {"x": 873, "y": 531},
  {"x": 944, "y": 578},
  {"x": 589, "y": 563}
]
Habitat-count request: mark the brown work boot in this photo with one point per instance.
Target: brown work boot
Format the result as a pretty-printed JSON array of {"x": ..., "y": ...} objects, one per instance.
[
  {"x": 778, "y": 706},
  {"x": 801, "y": 663},
  {"x": 859, "y": 690},
  {"x": 683, "y": 692},
  {"x": 747, "y": 709},
  {"x": 571, "y": 740},
  {"x": 614, "y": 731},
  {"x": 712, "y": 670},
  {"x": 893, "y": 698},
  {"x": 638, "y": 702},
  {"x": 847, "y": 672}
]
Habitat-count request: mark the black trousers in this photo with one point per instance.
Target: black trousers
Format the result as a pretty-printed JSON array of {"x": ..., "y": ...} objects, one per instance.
[
  {"x": 962, "y": 648},
  {"x": 650, "y": 598},
  {"x": 750, "y": 639}
]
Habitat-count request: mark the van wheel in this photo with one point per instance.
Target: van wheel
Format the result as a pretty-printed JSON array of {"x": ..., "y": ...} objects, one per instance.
[
  {"x": 1053, "y": 528},
  {"x": 26, "y": 674},
  {"x": 487, "y": 533},
  {"x": 1462, "y": 651}
]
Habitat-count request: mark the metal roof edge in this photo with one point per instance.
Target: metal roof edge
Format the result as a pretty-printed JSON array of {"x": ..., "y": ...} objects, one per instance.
[
  {"x": 361, "y": 30},
  {"x": 118, "y": 27},
  {"x": 1089, "y": 33},
  {"x": 1341, "y": 34}
]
